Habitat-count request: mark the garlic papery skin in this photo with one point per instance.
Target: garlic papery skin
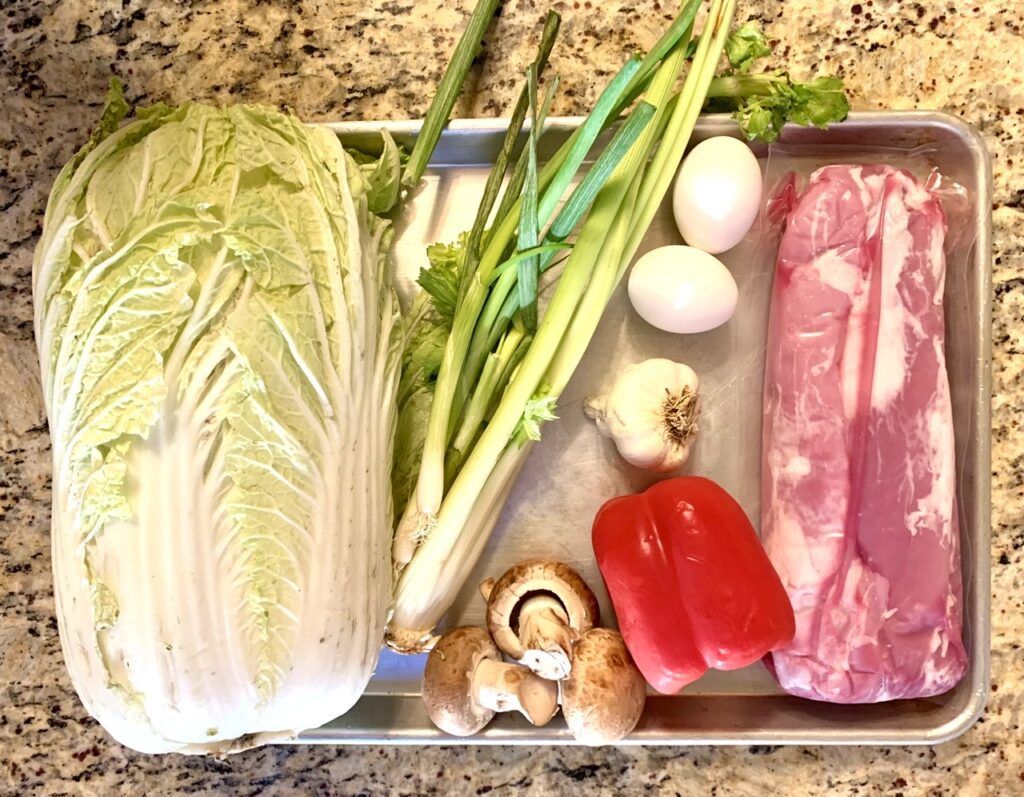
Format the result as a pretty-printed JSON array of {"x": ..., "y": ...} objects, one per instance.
[{"x": 650, "y": 413}]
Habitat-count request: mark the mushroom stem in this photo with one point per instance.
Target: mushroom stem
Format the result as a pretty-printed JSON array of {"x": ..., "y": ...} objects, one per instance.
[
  {"x": 506, "y": 687},
  {"x": 546, "y": 636}
]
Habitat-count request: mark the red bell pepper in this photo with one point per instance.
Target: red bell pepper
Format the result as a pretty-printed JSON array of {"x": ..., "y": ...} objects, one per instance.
[{"x": 691, "y": 585}]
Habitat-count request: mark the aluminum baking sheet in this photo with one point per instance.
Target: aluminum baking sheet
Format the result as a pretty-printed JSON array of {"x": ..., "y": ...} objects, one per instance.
[{"x": 572, "y": 471}]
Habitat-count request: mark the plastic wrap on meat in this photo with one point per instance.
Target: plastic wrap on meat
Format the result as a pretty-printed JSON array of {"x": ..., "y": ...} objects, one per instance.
[{"x": 858, "y": 504}]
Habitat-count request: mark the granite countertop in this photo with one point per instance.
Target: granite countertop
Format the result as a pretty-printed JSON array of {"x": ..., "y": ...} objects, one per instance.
[{"x": 341, "y": 59}]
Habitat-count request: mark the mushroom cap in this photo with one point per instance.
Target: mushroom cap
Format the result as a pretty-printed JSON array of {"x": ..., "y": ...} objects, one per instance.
[
  {"x": 448, "y": 680},
  {"x": 603, "y": 697},
  {"x": 537, "y": 576}
]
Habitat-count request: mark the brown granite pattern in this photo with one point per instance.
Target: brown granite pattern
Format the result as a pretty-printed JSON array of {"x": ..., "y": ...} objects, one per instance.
[{"x": 341, "y": 59}]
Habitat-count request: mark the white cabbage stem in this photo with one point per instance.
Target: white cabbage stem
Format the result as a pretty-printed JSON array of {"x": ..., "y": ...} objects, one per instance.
[{"x": 650, "y": 413}]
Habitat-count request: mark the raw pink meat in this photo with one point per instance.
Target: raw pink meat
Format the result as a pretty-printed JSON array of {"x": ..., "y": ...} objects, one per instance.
[{"x": 858, "y": 504}]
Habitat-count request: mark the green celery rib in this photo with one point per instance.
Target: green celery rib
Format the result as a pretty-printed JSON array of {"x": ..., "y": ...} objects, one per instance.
[
  {"x": 737, "y": 86},
  {"x": 448, "y": 91}
]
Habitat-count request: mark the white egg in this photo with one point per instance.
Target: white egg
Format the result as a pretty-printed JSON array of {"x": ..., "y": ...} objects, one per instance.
[
  {"x": 717, "y": 194},
  {"x": 682, "y": 289}
]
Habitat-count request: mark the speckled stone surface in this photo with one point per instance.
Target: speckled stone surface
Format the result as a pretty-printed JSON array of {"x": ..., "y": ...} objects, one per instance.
[{"x": 340, "y": 59}]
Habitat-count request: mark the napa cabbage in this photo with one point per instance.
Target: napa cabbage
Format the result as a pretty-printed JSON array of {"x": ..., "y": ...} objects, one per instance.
[{"x": 220, "y": 346}]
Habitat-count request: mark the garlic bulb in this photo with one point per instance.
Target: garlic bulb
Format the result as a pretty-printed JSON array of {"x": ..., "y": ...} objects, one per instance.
[{"x": 650, "y": 413}]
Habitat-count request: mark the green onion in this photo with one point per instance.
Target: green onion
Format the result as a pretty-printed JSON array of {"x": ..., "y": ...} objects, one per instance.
[
  {"x": 587, "y": 134},
  {"x": 448, "y": 91},
  {"x": 504, "y": 301},
  {"x": 564, "y": 224},
  {"x": 651, "y": 191},
  {"x": 497, "y": 173},
  {"x": 471, "y": 294},
  {"x": 493, "y": 378},
  {"x": 543, "y": 250},
  {"x": 448, "y": 396},
  {"x": 684, "y": 117},
  {"x": 580, "y": 199},
  {"x": 680, "y": 29},
  {"x": 527, "y": 268},
  {"x": 510, "y": 381}
]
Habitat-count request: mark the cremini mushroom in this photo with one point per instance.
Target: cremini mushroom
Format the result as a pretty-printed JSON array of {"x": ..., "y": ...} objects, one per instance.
[
  {"x": 603, "y": 697},
  {"x": 465, "y": 682},
  {"x": 536, "y": 611}
]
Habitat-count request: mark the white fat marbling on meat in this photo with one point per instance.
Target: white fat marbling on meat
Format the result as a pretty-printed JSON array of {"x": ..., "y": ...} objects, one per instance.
[{"x": 890, "y": 370}]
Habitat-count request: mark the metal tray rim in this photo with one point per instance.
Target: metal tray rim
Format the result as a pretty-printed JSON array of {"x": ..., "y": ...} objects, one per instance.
[{"x": 342, "y": 733}]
